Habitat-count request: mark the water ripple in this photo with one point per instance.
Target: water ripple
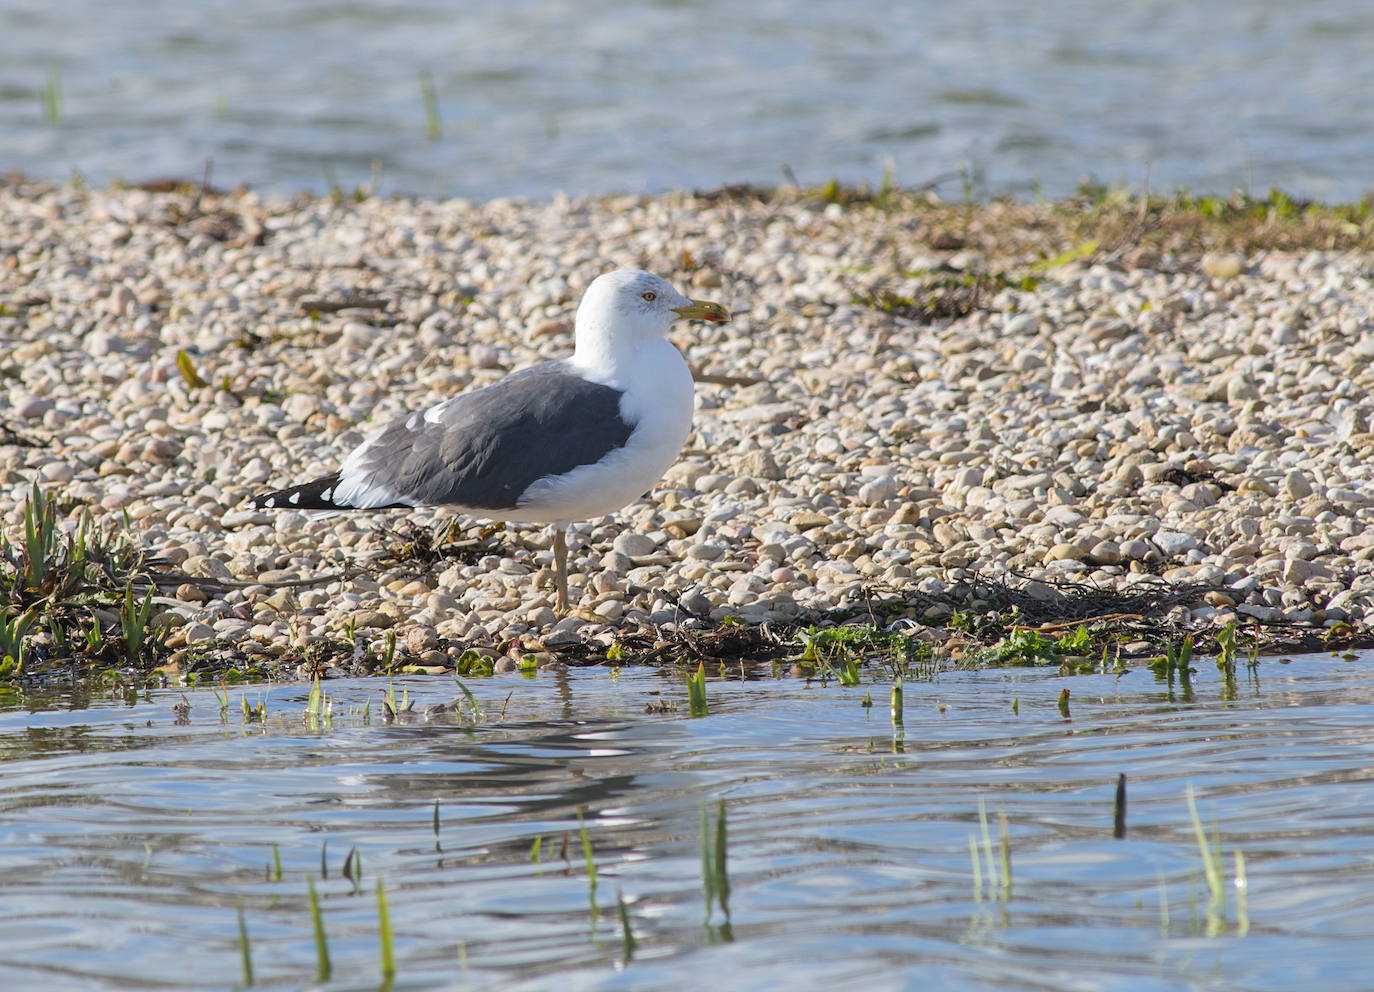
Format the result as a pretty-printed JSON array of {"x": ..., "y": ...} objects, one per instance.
[{"x": 128, "y": 843}]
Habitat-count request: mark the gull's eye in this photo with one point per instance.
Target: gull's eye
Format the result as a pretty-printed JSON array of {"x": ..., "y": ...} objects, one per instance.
[{"x": 648, "y": 296}]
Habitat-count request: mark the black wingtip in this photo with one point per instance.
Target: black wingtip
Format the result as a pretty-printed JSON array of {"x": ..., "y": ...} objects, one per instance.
[{"x": 316, "y": 495}]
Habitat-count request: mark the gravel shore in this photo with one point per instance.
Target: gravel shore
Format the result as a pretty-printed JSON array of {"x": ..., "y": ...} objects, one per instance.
[{"x": 1109, "y": 420}]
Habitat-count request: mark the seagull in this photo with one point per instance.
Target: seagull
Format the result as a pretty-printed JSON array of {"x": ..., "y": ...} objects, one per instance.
[{"x": 556, "y": 443}]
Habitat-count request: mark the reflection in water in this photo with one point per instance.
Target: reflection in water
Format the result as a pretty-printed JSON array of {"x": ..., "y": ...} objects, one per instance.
[{"x": 127, "y": 842}]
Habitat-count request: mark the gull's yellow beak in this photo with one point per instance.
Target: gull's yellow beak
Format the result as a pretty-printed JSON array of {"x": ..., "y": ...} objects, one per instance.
[{"x": 702, "y": 310}]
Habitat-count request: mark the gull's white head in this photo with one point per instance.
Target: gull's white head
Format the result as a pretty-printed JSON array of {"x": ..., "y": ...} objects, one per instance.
[{"x": 625, "y": 308}]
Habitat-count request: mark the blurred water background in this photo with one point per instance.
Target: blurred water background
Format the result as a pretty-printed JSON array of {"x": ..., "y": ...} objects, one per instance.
[{"x": 490, "y": 98}]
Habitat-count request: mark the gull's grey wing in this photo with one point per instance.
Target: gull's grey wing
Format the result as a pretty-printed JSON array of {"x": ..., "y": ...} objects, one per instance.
[{"x": 483, "y": 449}]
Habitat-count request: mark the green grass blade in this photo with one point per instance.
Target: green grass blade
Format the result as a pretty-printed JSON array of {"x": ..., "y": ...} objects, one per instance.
[
  {"x": 720, "y": 853},
  {"x": 1082, "y": 250},
  {"x": 353, "y": 867},
  {"x": 1119, "y": 808},
  {"x": 590, "y": 860},
  {"x": 1210, "y": 868},
  {"x": 976, "y": 860},
  {"x": 627, "y": 934},
  {"x": 52, "y": 97},
  {"x": 990, "y": 863},
  {"x": 245, "y": 953},
  {"x": 1004, "y": 842},
  {"x": 429, "y": 96},
  {"x": 188, "y": 371},
  {"x": 388, "y": 951},
  {"x": 1242, "y": 897},
  {"x": 39, "y": 547},
  {"x": 696, "y": 692},
  {"x": 323, "y": 969},
  {"x": 478, "y": 716},
  {"x": 708, "y": 878}
]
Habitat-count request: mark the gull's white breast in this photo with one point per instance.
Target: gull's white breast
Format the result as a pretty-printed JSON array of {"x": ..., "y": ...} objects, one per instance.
[{"x": 658, "y": 400}]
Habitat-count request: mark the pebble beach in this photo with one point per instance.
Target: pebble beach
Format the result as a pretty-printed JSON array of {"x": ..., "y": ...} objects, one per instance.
[{"x": 1111, "y": 417}]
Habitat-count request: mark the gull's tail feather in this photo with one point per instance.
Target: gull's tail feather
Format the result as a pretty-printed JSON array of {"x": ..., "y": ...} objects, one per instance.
[{"x": 317, "y": 495}]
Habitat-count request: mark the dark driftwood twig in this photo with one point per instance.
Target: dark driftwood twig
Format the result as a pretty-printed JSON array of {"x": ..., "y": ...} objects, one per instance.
[
  {"x": 316, "y": 305},
  {"x": 725, "y": 380}
]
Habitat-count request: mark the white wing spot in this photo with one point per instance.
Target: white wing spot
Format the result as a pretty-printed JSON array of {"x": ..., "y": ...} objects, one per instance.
[
  {"x": 328, "y": 494},
  {"x": 295, "y": 498},
  {"x": 435, "y": 413},
  {"x": 413, "y": 421}
]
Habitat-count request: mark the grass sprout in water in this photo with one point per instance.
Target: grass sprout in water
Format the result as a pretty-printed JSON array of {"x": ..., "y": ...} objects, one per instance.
[
  {"x": 353, "y": 868},
  {"x": 1228, "y": 646},
  {"x": 254, "y": 712},
  {"x": 590, "y": 861},
  {"x": 715, "y": 878},
  {"x": 627, "y": 933},
  {"x": 991, "y": 864},
  {"x": 52, "y": 97},
  {"x": 245, "y": 952},
  {"x": 1214, "y": 873},
  {"x": 323, "y": 969},
  {"x": 898, "y": 718},
  {"x": 319, "y": 708},
  {"x": 475, "y": 711},
  {"x": 1175, "y": 663},
  {"x": 429, "y": 96},
  {"x": 385, "y": 944},
  {"x": 696, "y": 692}
]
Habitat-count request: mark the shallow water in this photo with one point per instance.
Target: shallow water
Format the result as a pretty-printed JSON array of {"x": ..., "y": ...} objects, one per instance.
[
  {"x": 541, "y": 95},
  {"x": 127, "y": 842}
]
